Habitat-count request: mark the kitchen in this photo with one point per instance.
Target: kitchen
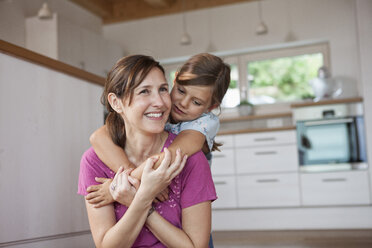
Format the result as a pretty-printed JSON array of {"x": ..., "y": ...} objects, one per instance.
[{"x": 345, "y": 26}]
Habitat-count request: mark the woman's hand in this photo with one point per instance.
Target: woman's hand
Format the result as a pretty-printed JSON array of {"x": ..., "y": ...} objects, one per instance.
[
  {"x": 155, "y": 181},
  {"x": 124, "y": 187},
  {"x": 99, "y": 195}
]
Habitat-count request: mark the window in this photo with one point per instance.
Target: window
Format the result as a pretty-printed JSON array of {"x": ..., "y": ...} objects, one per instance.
[
  {"x": 282, "y": 79},
  {"x": 232, "y": 97},
  {"x": 283, "y": 75},
  {"x": 269, "y": 75}
]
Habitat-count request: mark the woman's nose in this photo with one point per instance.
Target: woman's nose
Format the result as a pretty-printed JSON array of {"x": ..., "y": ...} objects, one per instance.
[{"x": 158, "y": 100}]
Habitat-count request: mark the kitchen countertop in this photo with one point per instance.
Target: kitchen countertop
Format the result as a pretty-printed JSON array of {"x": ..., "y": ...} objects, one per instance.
[
  {"x": 271, "y": 122},
  {"x": 330, "y": 101}
]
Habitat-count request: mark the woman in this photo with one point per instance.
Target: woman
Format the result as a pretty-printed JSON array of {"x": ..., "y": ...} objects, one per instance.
[{"x": 137, "y": 98}]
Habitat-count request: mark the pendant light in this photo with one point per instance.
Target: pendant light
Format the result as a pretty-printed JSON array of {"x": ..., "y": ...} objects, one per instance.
[
  {"x": 45, "y": 12},
  {"x": 185, "y": 38},
  {"x": 261, "y": 28}
]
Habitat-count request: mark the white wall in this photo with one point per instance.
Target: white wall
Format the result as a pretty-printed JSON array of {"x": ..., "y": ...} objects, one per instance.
[
  {"x": 46, "y": 118},
  {"x": 232, "y": 27}
]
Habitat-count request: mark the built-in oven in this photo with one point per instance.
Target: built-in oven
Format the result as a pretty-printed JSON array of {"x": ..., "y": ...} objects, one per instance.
[{"x": 331, "y": 137}]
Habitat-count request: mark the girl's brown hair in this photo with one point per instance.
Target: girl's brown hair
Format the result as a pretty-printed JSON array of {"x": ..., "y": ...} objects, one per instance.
[
  {"x": 207, "y": 70},
  {"x": 122, "y": 79}
]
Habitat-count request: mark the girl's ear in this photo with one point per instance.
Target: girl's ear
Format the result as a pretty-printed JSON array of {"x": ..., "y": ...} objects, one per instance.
[
  {"x": 212, "y": 107},
  {"x": 115, "y": 103}
]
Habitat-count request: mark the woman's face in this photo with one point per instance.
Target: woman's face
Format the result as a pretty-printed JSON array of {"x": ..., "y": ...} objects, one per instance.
[
  {"x": 190, "y": 101},
  {"x": 150, "y": 105}
]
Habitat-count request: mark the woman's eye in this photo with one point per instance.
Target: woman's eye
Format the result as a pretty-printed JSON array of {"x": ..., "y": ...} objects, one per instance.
[
  {"x": 164, "y": 89},
  {"x": 145, "y": 91}
]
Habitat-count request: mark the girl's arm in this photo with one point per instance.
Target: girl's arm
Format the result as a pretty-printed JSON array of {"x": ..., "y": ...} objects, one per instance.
[
  {"x": 189, "y": 141},
  {"x": 112, "y": 155}
]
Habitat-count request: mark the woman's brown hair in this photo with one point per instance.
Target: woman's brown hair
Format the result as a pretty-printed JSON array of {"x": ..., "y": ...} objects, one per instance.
[
  {"x": 207, "y": 70},
  {"x": 122, "y": 79}
]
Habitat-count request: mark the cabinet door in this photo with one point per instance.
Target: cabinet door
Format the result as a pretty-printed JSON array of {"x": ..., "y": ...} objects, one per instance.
[
  {"x": 226, "y": 192},
  {"x": 223, "y": 162},
  {"x": 335, "y": 188},
  {"x": 267, "y": 159},
  {"x": 226, "y": 140},
  {"x": 271, "y": 190},
  {"x": 265, "y": 138}
]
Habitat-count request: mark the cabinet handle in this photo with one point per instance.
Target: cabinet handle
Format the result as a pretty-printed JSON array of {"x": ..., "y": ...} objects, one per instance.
[
  {"x": 265, "y": 139},
  {"x": 329, "y": 180},
  {"x": 265, "y": 153},
  {"x": 273, "y": 180},
  {"x": 219, "y": 156},
  {"x": 220, "y": 183}
]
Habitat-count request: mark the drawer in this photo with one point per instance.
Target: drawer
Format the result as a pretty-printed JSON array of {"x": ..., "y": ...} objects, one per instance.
[
  {"x": 223, "y": 162},
  {"x": 269, "y": 159},
  {"x": 265, "y": 138},
  {"x": 271, "y": 190},
  {"x": 335, "y": 188},
  {"x": 226, "y": 192},
  {"x": 226, "y": 140}
]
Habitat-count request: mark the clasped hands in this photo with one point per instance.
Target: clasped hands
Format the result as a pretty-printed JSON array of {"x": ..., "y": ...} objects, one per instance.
[{"x": 154, "y": 182}]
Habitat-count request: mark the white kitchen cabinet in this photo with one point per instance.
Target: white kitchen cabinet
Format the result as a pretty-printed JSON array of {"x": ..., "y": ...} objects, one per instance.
[
  {"x": 223, "y": 162},
  {"x": 267, "y": 159},
  {"x": 335, "y": 188},
  {"x": 226, "y": 192},
  {"x": 265, "y": 138},
  {"x": 227, "y": 141},
  {"x": 268, "y": 190}
]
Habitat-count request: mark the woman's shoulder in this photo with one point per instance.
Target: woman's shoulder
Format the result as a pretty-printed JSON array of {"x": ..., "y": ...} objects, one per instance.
[{"x": 91, "y": 161}]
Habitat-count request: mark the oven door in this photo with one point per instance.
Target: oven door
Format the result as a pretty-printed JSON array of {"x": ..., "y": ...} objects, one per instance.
[{"x": 331, "y": 144}]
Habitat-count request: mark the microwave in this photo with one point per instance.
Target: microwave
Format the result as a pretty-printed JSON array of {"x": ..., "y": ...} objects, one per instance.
[{"x": 331, "y": 137}]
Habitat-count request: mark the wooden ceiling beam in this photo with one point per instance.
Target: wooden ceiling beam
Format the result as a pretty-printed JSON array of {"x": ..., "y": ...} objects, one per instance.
[
  {"x": 113, "y": 11},
  {"x": 128, "y": 10},
  {"x": 101, "y": 8}
]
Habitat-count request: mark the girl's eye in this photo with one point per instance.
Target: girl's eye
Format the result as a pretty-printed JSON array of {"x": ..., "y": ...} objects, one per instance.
[
  {"x": 197, "y": 103},
  {"x": 181, "y": 91}
]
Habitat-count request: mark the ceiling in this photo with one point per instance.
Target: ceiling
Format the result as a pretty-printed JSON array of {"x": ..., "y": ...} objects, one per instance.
[{"x": 113, "y": 11}]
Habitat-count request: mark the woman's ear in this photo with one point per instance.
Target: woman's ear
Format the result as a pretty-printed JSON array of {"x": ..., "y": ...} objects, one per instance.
[{"x": 115, "y": 103}]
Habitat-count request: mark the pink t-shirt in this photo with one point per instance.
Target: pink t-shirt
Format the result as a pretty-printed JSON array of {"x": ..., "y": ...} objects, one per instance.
[{"x": 192, "y": 186}]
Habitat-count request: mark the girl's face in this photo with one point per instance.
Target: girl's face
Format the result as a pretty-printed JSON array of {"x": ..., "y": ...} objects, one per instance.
[
  {"x": 150, "y": 105},
  {"x": 189, "y": 102}
]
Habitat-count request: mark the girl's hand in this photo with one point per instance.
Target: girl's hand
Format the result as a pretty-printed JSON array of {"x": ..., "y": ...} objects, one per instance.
[
  {"x": 124, "y": 187},
  {"x": 99, "y": 195},
  {"x": 162, "y": 196},
  {"x": 155, "y": 181}
]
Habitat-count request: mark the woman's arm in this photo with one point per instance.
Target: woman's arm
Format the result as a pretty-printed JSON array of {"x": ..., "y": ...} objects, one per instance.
[
  {"x": 196, "y": 227},
  {"x": 107, "y": 233}
]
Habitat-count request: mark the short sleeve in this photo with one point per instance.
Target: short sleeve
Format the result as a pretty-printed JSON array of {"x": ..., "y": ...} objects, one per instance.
[
  {"x": 90, "y": 168},
  {"x": 197, "y": 183},
  {"x": 208, "y": 124}
]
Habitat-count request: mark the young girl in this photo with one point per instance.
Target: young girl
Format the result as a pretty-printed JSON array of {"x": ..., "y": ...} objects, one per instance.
[{"x": 198, "y": 88}]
